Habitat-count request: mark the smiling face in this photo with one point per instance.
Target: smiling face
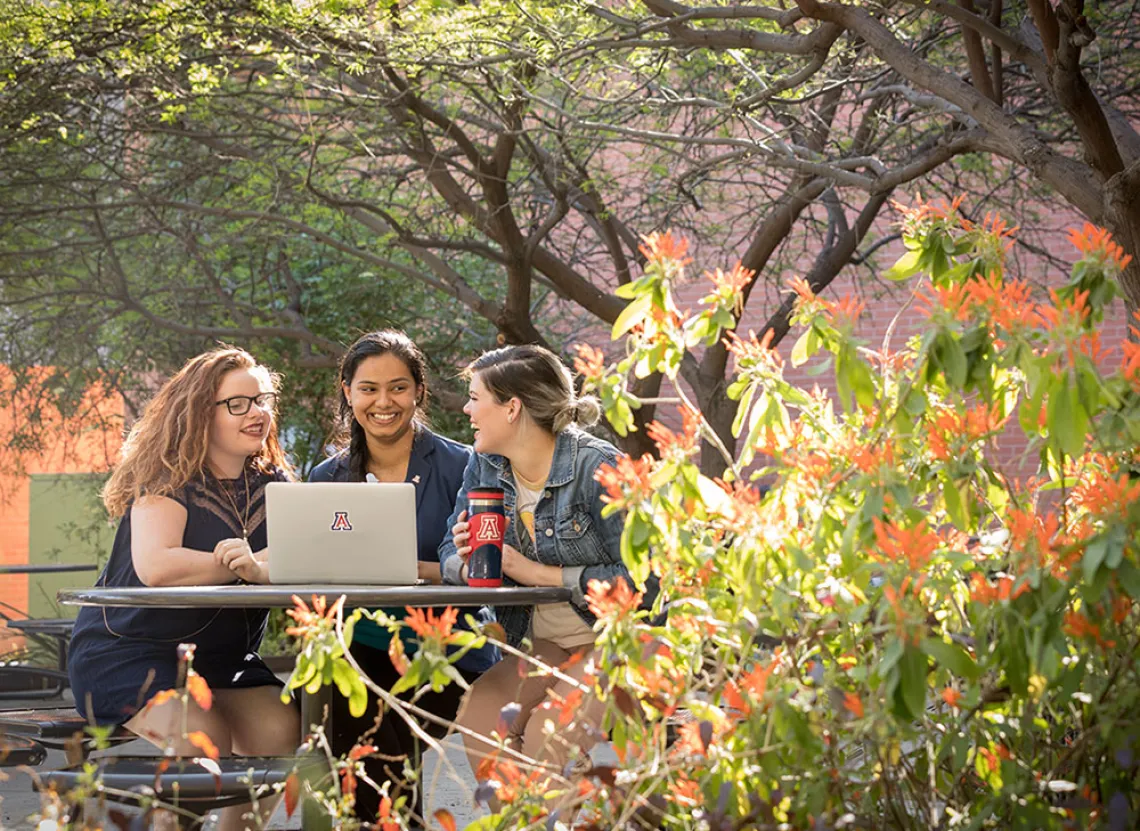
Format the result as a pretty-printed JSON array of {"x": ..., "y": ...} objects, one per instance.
[
  {"x": 494, "y": 422},
  {"x": 383, "y": 396},
  {"x": 234, "y": 438}
]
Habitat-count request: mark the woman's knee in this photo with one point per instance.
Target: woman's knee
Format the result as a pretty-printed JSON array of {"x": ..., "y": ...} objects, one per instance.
[
  {"x": 169, "y": 724},
  {"x": 261, "y": 725}
]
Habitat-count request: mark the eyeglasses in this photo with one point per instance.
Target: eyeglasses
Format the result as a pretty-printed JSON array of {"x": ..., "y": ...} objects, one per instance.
[{"x": 239, "y": 404}]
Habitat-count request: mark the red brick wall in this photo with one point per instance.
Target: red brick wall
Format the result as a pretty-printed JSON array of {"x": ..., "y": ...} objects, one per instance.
[
  {"x": 884, "y": 301},
  {"x": 89, "y": 441}
]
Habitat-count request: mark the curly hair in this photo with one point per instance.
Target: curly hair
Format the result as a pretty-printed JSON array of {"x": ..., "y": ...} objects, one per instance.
[{"x": 166, "y": 448}]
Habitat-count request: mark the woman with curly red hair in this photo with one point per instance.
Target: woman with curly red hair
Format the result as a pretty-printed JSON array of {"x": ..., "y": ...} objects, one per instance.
[{"x": 190, "y": 498}]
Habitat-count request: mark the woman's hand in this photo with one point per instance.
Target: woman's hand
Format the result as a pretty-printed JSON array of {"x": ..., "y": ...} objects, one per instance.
[
  {"x": 527, "y": 572},
  {"x": 238, "y": 557},
  {"x": 429, "y": 571},
  {"x": 461, "y": 536}
]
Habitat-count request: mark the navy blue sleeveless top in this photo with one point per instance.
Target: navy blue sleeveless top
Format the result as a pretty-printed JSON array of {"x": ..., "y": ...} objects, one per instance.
[{"x": 114, "y": 651}]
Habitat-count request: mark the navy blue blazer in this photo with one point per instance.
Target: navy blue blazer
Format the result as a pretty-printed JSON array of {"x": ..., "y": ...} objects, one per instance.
[{"x": 436, "y": 469}]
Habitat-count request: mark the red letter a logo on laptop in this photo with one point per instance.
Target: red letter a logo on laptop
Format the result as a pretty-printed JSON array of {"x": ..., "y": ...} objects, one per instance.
[{"x": 340, "y": 522}]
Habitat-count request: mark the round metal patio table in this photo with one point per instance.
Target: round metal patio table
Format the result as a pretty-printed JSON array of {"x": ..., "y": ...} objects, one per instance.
[
  {"x": 45, "y": 568},
  {"x": 313, "y": 707}
]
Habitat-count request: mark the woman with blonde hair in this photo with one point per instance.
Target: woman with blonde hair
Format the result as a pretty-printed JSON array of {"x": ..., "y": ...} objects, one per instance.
[
  {"x": 190, "y": 498},
  {"x": 525, "y": 412}
]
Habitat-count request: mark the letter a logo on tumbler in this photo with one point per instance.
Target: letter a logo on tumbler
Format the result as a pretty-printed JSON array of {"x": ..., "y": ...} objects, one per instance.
[{"x": 487, "y": 522}]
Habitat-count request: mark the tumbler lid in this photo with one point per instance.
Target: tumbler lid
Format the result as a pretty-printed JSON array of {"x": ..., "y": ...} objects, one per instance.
[{"x": 485, "y": 493}]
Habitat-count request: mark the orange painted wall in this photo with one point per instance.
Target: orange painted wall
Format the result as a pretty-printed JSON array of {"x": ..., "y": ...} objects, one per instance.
[{"x": 85, "y": 441}]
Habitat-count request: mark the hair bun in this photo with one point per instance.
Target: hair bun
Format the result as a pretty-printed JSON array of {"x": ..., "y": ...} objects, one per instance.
[{"x": 587, "y": 411}]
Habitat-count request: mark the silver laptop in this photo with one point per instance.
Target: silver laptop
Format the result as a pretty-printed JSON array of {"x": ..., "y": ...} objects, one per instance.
[{"x": 342, "y": 532}]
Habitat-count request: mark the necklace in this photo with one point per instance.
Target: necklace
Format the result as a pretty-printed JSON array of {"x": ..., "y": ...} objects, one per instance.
[{"x": 242, "y": 516}]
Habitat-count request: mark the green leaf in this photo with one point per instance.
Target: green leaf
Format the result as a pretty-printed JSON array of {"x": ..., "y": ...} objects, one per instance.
[
  {"x": 953, "y": 360},
  {"x": 904, "y": 267},
  {"x": 1094, "y": 555},
  {"x": 951, "y": 656},
  {"x": 910, "y": 696},
  {"x": 632, "y": 315},
  {"x": 358, "y": 700},
  {"x": 800, "y": 354},
  {"x": 343, "y": 676},
  {"x": 1129, "y": 576},
  {"x": 742, "y": 409}
]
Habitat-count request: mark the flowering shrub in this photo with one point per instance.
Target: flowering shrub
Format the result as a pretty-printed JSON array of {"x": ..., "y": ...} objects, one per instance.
[
  {"x": 895, "y": 631},
  {"x": 873, "y": 621}
]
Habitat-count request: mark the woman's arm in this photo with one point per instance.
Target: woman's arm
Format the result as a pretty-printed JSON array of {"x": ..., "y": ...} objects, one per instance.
[
  {"x": 157, "y": 526},
  {"x": 450, "y": 560},
  {"x": 529, "y": 573},
  {"x": 609, "y": 528}
]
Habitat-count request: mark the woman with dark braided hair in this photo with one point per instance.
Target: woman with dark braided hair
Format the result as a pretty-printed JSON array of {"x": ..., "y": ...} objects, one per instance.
[{"x": 383, "y": 432}]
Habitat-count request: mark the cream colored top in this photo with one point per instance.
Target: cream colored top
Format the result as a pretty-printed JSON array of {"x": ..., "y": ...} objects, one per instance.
[{"x": 554, "y": 622}]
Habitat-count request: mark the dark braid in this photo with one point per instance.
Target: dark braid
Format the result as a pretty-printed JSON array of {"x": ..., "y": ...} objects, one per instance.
[
  {"x": 357, "y": 451},
  {"x": 349, "y": 433}
]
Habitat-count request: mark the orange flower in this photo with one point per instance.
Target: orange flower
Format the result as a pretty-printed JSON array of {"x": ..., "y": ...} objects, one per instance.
[
  {"x": 662, "y": 247},
  {"x": 755, "y": 353},
  {"x": 397, "y": 656},
  {"x": 670, "y": 443},
  {"x": 1121, "y": 607},
  {"x": 733, "y": 282},
  {"x": 994, "y": 224},
  {"x": 982, "y": 592},
  {"x": 1077, "y": 625},
  {"x": 386, "y": 820},
  {"x": 311, "y": 622},
  {"x": 1130, "y": 363},
  {"x": 939, "y": 210},
  {"x": 846, "y": 311},
  {"x": 684, "y": 791},
  {"x": 627, "y": 473},
  {"x": 953, "y": 298},
  {"x": 590, "y": 363},
  {"x": 360, "y": 751},
  {"x": 199, "y": 690},
  {"x": 914, "y": 545},
  {"x": 853, "y": 704},
  {"x": 992, "y": 758},
  {"x": 802, "y": 289},
  {"x": 425, "y": 624},
  {"x": 690, "y": 742},
  {"x": 1013, "y": 308},
  {"x": 755, "y": 684},
  {"x": 1103, "y": 496},
  {"x": 1096, "y": 243},
  {"x": 203, "y": 742},
  {"x": 952, "y": 697},
  {"x": 951, "y": 428},
  {"x": 618, "y": 600},
  {"x": 161, "y": 698},
  {"x": 1062, "y": 312}
]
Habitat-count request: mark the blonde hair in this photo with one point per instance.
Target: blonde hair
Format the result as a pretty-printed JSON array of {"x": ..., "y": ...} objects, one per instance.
[
  {"x": 537, "y": 378},
  {"x": 166, "y": 448}
]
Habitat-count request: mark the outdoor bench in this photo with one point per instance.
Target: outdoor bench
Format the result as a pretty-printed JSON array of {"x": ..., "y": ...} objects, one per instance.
[
  {"x": 16, "y": 751},
  {"x": 58, "y": 629},
  {"x": 59, "y": 728},
  {"x": 183, "y": 783},
  {"x": 19, "y": 681}
]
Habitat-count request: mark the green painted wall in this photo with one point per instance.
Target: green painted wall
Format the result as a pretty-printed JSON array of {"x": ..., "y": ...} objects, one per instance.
[{"x": 66, "y": 524}]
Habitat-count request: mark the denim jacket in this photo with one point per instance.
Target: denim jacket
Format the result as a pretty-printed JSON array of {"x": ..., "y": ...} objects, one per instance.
[{"x": 568, "y": 524}]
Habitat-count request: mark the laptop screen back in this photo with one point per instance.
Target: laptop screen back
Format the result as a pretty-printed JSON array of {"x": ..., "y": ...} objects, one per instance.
[{"x": 342, "y": 532}]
